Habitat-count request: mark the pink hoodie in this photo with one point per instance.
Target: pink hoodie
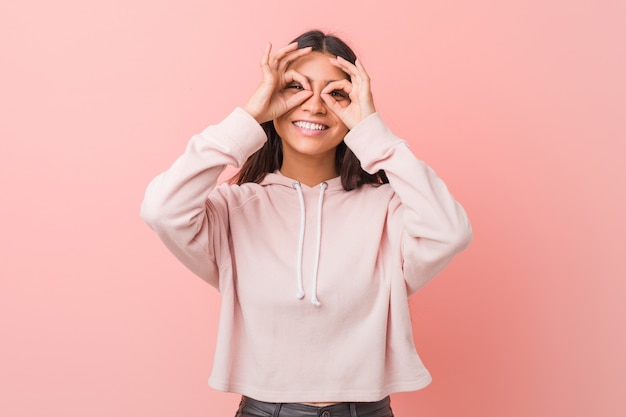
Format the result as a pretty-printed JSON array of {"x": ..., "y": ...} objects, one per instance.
[{"x": 314, "y": 281}]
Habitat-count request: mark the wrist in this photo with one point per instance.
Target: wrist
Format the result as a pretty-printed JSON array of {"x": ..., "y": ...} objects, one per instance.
[{"x": 252, "y": 112}]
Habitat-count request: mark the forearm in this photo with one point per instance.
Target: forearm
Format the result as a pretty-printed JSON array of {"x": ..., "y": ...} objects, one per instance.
[
  {"x": 434, "y": 225},
  {"x": 174, "y": 204}
]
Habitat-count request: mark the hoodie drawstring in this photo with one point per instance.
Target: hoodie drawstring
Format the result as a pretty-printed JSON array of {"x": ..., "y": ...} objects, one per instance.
[
  {"x": 298, "y": 188},
  {"x": 320, "y": 203}
]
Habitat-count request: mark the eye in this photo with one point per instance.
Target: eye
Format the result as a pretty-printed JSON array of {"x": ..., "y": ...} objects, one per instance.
[
  {"x": 338, "y": 94},
  {"x": 295, "y": 86}
]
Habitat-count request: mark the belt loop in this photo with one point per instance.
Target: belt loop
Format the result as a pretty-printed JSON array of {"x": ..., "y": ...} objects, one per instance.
[
  {"x": 277, "y": 409},
  {"x": 353, "y": 410}
]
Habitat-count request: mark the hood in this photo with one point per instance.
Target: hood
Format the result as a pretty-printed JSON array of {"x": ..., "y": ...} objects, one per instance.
[{"x": 276, "y": 178}]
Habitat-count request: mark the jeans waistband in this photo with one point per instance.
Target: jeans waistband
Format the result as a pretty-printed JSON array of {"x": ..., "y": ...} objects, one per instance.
[{"x": 380, "y": 408}]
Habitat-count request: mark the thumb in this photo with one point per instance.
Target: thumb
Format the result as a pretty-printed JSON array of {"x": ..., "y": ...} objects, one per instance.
[
  {"x": 332, "y": 104},
  {"x": 298, "y": 99}
]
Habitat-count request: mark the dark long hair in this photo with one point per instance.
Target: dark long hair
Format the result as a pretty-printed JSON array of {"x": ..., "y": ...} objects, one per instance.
[{"x": 270, "y": 157}]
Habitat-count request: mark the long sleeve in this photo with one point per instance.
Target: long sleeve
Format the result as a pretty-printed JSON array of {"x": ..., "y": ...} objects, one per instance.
[
  {"x": 434, "y": 225},
  {"x": 175, "y": 204}
]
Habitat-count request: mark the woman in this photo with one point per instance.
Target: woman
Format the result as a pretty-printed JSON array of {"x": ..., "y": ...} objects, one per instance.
[{"x": 315, "y": 247}]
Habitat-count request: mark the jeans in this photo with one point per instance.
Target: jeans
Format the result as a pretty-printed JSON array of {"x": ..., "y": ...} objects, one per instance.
[{"x": 253, "y": 408}]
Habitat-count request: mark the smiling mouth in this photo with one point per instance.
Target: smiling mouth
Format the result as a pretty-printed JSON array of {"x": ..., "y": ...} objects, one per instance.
[{"x": 310, "y": 126}]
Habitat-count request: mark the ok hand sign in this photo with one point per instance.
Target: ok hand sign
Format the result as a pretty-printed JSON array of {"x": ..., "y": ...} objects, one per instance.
[
  {"x": 358, "y": 89},
  {"x": 268, "y": 102}
]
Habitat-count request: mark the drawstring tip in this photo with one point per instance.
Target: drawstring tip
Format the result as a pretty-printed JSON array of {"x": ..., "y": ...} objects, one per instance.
[
  {"x": 315, "y": 302},
  {"x": 300, "y": 295}
]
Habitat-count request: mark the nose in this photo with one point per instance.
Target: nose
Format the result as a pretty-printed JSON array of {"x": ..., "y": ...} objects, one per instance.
[{"x": 315, "y": 104}]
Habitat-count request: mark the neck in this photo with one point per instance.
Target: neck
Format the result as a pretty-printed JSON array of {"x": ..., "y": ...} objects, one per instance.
[{"x": 309, "y": 171}]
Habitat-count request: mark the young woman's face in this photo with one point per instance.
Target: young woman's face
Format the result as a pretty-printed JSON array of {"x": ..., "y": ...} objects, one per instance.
[{"x": 312, "y": 129}]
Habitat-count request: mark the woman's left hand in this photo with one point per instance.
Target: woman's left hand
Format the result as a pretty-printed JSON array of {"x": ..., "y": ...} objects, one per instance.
[{"x": 358, "y": 90}]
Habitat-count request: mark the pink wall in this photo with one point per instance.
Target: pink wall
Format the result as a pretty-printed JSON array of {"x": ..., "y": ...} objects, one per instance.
[{"x": 520, "y": 106}]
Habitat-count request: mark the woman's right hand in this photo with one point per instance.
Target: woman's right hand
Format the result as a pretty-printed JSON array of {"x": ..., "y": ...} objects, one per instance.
[{"x": 269, "y": 101}]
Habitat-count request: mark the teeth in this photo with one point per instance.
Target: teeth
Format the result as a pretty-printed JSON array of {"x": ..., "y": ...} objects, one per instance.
[{"x": 310, "y": 126}]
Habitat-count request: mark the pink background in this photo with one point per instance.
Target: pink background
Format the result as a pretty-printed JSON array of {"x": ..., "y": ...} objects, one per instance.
[{"x": 520, "y": 106}]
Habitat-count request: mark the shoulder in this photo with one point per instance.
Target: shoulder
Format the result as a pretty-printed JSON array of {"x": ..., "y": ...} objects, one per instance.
[
  {"x": 377, "y": 190},
  {"x": 235, "y": 195},
  {"x": 381, "y": 196}
]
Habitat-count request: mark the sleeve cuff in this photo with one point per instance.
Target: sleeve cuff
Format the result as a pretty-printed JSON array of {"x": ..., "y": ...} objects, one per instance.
[
  {"x": 241, "y": 134},
  {"x": 372, "y": 142}
]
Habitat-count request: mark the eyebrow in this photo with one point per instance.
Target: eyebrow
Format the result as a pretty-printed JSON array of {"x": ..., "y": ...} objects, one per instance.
[
  {"x": 310, "y": 80},
  {"x": 326, "y": 81}
]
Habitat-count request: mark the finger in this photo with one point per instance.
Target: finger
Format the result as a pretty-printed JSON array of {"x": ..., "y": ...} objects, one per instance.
[
  {"x": 358, "y": 76},
  {"x": 350, "y": 69},
  {"x": 363, "y": 75},
  {"x": 293, "y": 75},
  {"x": 292, "y": 56},
  {"x": 297, "y": 99},
  {"x": 284, "y": 50},
  {"x": 341, "y": 85},
  {"x": 332, "y": 104},
  {"x": 340, "y": 91},
  {"x": 361, "y": 69},
  {"x": 289, "y": 52},
  {"x": 266, "y": 54},
  {"x": 265, "y": 68},
  {"x": 346, "y": 66}
]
